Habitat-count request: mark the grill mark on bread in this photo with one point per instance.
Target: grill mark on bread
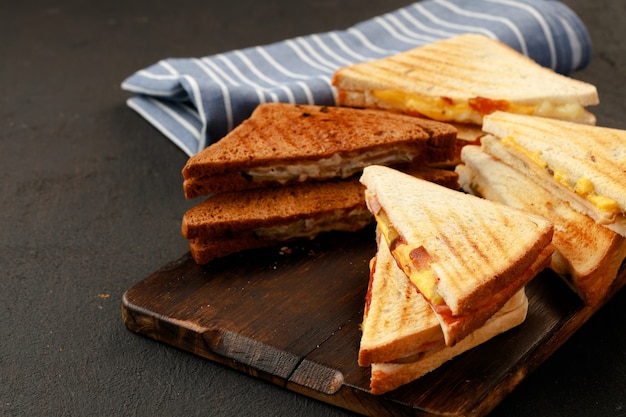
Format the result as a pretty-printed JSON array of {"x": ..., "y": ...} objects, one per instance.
[
  {"x": 290, "y": 134},
  {"x": 570, "y": 133}
]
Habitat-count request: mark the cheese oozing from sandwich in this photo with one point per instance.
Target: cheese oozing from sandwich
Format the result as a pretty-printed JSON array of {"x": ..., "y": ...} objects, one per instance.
[
  {"x": 416, "y": 262},
  {"x": 473, "y": 110},
  {"x": 581, "y": 186}
]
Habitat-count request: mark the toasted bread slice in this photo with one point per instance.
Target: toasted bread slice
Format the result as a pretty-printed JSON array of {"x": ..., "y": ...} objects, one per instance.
[
  {"x": 583, "y": 165},
  {"x": 466, "y": 255},
  {"x": 401, "y": 338},
  {"x": 398, "y": 323},
  {"x": 587, "y": 255},
  {"x": 230, "y": 222},
  {"x": 287, "y": 143},
  {"x": 388, "y": 376},
  {"x": 461, "y": 79}
]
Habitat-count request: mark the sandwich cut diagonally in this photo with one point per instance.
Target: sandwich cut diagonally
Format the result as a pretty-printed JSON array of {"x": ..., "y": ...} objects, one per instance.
[
  {"x": 282, "y": 143},
  {"x": 461, "y": 79},
  {"x": 401, "y": 337},
  {"x": 466, "y": 255},
  {"x": 588, "y": 256}
]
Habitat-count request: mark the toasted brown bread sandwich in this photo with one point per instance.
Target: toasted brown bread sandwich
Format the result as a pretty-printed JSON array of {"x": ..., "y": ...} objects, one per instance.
[
  {"x": 588, "y": 256},
  {"x": 401, "y": 337},
  {"x": 230, "y": 222},
  {"x": 461, "y": 79},
  {"x": 466, "y": 255},
  {"x": 288, "y": 143},
  {"x": 584, "y": 165}
]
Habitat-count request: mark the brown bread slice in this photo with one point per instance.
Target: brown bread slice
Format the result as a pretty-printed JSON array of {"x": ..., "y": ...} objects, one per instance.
[
  {"x": 228, "y": 222},
  {"x": 340, "y": 140}
]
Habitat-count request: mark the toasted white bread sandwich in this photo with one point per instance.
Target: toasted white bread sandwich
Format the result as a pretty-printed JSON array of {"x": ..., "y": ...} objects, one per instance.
[
  {"x": 466, "y": 255},
  {"x": 461, "y": 79},
  {"x": 587, "y": 256},
  {"x": 584, "y": 165},
  {"x": 231, "y": 222},
  {"x": 283, "y": 143},
  {"x": 401, "y": 337}
]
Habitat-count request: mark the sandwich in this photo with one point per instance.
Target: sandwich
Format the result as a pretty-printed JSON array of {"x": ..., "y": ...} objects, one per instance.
[
  {"x": 583, "y": 165},
  {"x": 231, "y": 222},
  {"x": 462, "y": 79},
  {"x": 466, "y": 255},
  {"x": 587, "y": 255},
  {"x": 282, "y": 144},
  {"x": 400, "y": 335}
]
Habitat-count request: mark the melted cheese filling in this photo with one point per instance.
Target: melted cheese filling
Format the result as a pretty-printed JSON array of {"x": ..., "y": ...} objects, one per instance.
[
  {"x": 581, "y": 186},
  {"x": 472, "y": 111},
  {"x": 422, "y": 276}
]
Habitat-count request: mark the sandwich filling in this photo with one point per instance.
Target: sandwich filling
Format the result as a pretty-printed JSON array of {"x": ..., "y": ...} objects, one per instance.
[
  {"x": 430, "y": 340},
  {"x": 472, "y": 111},
  {"x": 415, "y": 262},
  {"x": 337, "y": 165},
  {"x": 339, "y": 220},
  {"x": 607, "y": 207}
]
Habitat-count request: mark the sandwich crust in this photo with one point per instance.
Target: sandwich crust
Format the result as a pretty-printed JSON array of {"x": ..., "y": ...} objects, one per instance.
[
  {"x": 327, "y": 141},
  {"x": 397, "y": 321},
  {"x": 480, "y": 251},
  {"x": 587, "y": 255},
  {"x": 386, "y": 377},
  {"x": 564, "y": 155},
  {"x": 468, "y": 69}
]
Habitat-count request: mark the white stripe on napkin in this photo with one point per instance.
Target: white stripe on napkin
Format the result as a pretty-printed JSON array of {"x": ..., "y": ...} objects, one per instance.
[{"x": 196, "y": 101}]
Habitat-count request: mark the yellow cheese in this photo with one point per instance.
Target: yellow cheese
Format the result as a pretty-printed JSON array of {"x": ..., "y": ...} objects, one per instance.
[
  {"x": 534, "y": 157},
  {"x": 424, "y": 279},
  {"x": 583, "y": 186},
  {"x": 472, "y": 111},
  {"x": 436, "y": 108},
  {"x": 604, "y": 203}
]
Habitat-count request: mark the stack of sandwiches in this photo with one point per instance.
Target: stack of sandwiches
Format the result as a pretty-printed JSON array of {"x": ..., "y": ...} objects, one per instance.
[
  {"x": 572, "y": 175},
  {"x": 460, "y": 80},
  {"x": 542, "y": 187},
  {"x": 291, "y": 172},
  {"x": 449, "y": 274}
]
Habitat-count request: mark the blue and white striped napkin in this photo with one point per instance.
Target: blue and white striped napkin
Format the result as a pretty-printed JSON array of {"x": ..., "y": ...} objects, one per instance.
[{"x": 196, "y": 101}]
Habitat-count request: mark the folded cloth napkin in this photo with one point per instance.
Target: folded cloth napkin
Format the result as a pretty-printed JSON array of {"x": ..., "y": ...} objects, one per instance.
[{"x": 196, "y": 101}]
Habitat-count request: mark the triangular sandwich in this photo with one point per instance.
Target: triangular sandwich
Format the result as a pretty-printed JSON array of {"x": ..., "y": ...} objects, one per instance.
[
  {"x": 466, "y": 255},
  {"x": 283, "y": 143},
  {"x": 401, "y": 338},
  {"x": 461, "y": 79},
  {"x": 584, "y": 165},
  {"x": 588, "y": 256}
]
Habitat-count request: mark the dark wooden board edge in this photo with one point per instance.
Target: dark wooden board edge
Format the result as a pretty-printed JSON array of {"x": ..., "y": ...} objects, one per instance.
[{"x": 346, "y": 386}]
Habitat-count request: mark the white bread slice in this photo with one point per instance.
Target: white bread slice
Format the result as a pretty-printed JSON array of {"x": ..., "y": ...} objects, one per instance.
[
  {"x": 468, "y": 255},
  {"x": 578, "y": 163},
  {"x": 461, "y": 79},
  {"x": 587, "y": 255},
  {"x": 397, "y": 322},
  {"x": 389, "y": 376}
]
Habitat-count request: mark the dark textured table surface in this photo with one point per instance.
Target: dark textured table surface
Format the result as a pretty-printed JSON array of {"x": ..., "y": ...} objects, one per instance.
[{"x": 91, "y": 203}]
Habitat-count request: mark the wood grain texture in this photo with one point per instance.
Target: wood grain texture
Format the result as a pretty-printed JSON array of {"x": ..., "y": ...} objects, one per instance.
[{"x": 291, "y": 316}]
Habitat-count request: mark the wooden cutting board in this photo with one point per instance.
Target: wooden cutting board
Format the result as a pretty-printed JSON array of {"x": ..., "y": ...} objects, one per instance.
[{"x": 291, "y": 316}]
